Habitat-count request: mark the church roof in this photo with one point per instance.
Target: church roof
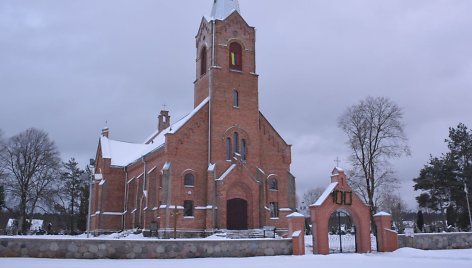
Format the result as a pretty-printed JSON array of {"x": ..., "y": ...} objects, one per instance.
[
  {"x": 124, "y": 153},
  {"x": 223, "y": 8}
]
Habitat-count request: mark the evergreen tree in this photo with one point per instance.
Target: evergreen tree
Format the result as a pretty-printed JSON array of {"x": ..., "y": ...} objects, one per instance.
[
  {"x": 435, "y": 179},
  {"x": 451, "y": 216},
  {"x": 420, "y": 220},
  {"x": 73, "y": 183},
  {"x": 443, "y": 179},
  {"x": 84, "y": 201},
  {"x": 460, "y": 146}
]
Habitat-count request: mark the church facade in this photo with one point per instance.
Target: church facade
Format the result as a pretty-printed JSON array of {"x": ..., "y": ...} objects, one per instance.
[{"x": 223, "y": 166}]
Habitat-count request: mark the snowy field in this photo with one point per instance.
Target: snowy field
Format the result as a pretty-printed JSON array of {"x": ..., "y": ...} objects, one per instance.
[{"x": 402, "y": 258}]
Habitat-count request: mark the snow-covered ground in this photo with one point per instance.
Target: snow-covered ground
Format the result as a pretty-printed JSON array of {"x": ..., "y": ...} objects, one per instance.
[{"x": 402, "y": 258}]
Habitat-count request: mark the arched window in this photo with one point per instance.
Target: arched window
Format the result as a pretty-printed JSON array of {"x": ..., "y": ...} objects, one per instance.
[
  {"x": 273, "y": 185},
  {"x": 243, "y": 149},
  {"x": 235, "y": 56},
  {"x": 235, "y": 98},
  {"x": 189, "y": 179},
  {"x": 228, "y": 148},
  {"x": 203, "y": 62},
  {"x": 236, "y": 142}
]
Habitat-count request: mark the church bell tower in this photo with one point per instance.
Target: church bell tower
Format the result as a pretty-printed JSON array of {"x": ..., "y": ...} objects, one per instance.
[
  {"x": 226, "y": 73},
  {"x": 225, "y": 43}
]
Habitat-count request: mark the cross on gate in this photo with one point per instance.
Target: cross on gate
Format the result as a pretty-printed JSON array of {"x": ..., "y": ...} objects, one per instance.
[{"x": 337, "y": 161}]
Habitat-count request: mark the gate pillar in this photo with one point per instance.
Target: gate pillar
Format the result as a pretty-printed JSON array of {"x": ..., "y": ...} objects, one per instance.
[
  {"x": 296, "y": 230},
  {"x": 387, "y": 239}
]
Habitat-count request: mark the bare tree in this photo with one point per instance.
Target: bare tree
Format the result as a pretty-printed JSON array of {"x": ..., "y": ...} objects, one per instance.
[
  {"x": 2, "y": 164},
  {"x": 375, "y": 135},
  {"x": 393, "y": 203},
  {"x": 310, "y": 196},
  {"x": 31, "y": 162},
  {"x": 385, "y": 183},
  {"x": 2, "y": 174}
]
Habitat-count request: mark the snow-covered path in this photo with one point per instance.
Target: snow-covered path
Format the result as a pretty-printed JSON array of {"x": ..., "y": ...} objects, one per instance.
[{"x": 402, "y": 258}]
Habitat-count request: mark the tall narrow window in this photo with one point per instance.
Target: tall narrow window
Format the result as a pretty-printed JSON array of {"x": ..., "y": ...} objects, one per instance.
[
  {"x": 244, "y": 149},
  {"x": 274, "y": 209},
  {"x": 235, "y": 56},
  {"x": 203, "y": 62},
  {"x": 228, "y": 148},
  {"x": 188, "y": 208},
  {"x": 236, "y": 142},
  {"x": 235, "y": 98}
]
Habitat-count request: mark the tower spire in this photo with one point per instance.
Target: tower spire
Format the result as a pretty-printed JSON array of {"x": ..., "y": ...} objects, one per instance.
[{"x": 223, "y": 8}]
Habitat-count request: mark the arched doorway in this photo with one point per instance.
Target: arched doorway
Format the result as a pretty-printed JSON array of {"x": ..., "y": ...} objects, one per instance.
[
  {"x": 236, "y": 214},
  {"x": 341, "y": 232}
]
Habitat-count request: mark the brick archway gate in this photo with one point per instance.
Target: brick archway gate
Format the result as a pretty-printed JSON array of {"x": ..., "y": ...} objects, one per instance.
[{"x": 339, "y": 196}]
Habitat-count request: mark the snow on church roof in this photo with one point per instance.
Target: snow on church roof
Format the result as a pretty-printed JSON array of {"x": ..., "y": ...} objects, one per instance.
[
  {"x": 124, "y": 153},
  {"x": 223, "y": 8}
]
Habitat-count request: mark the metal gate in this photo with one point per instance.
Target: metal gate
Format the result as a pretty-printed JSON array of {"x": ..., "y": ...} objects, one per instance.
[{"x": 342, "y": 233}]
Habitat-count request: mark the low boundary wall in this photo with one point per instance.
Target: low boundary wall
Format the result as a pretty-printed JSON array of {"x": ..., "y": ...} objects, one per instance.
[
  {"x": 141, "y": 249},
  {"x": 436, "y": 241}
]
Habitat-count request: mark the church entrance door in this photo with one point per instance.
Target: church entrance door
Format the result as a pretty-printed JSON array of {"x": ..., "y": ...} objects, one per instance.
[{"x": 236, "y": 214}]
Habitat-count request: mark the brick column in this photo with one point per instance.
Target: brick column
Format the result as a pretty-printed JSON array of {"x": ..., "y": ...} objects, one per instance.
[
  {"x": 387, "y": 239},
  {"x": 296, "y": 230}
]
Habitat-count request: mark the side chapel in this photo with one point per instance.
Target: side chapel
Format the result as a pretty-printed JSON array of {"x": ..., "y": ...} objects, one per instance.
[{"x": 223, "y": 166}]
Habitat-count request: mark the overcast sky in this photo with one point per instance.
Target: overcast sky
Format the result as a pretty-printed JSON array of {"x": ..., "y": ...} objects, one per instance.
[{"x": 67, "y": 67}]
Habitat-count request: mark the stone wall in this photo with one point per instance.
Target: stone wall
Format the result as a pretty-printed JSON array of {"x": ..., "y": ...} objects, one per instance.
[
  {"x": 141, "y": 249},
  {"x": 436, "y": 241}
]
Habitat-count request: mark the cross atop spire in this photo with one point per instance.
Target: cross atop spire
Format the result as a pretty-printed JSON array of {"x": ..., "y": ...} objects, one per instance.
[{"x": 223, "y": 8}]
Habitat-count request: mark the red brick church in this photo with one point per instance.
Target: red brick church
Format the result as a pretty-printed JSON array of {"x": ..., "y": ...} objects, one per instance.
[{"x": 223, "y": 166}]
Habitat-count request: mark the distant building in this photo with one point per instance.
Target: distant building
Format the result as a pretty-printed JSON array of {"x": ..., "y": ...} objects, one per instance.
[{"x": 223, "y": 166}]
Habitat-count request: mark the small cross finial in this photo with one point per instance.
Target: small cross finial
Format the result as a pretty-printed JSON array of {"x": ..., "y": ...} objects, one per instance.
[
  {"x": 337, "y": 161},
  {"x": 164, "y": 106}
]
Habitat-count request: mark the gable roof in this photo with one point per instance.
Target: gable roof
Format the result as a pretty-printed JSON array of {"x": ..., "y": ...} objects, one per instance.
[
  {"x": 325, "y": 194},
  {"x": 124, "y": 153}
]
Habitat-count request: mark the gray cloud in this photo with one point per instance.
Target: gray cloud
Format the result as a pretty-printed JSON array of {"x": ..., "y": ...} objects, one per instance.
[{"x": 69, "y": 66}]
